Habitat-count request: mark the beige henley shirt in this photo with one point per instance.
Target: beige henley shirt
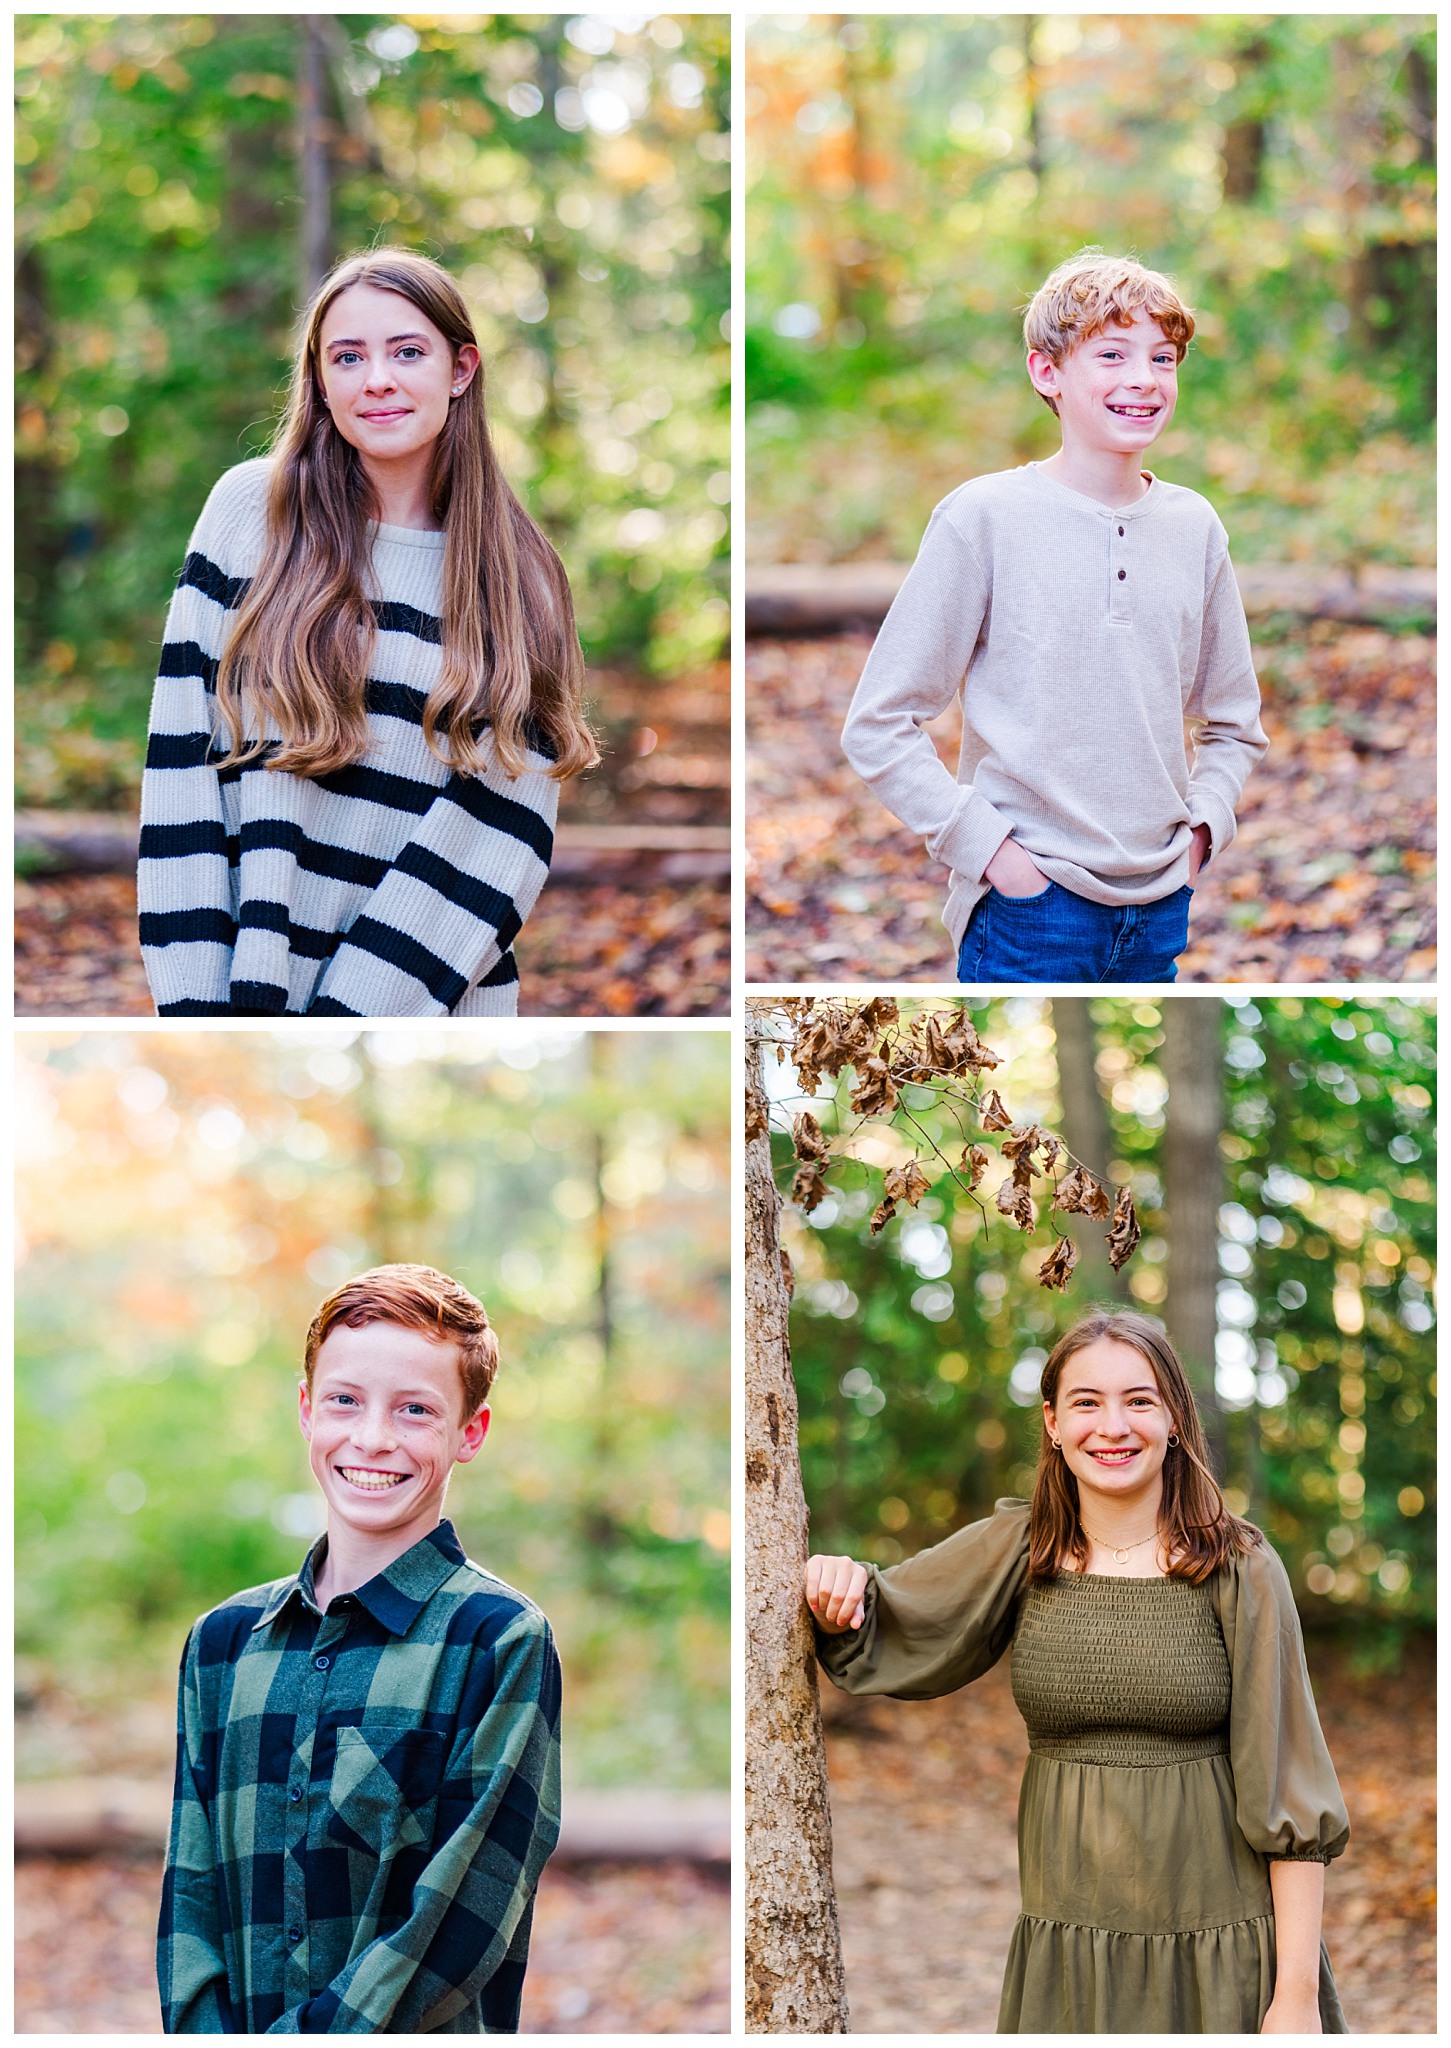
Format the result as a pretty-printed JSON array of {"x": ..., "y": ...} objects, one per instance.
[{"x": 1083, "y": 640}]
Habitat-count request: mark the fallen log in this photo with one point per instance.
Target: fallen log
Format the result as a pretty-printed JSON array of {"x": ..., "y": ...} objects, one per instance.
[
  {"x": 109, "y": 1816},
  {"x": 786, "y": 599},
  {"x": 625, "y": 856}
]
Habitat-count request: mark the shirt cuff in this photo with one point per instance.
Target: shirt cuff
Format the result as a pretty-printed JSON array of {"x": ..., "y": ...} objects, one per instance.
[
  {"x": 1205, "y": 808},
  {"x": 971, "y": 836}
]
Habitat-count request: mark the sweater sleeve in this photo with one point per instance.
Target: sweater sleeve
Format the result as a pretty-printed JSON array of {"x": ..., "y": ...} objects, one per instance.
[
  {"x": 1287, "y": 1797},
  {"x": 440, "y": 921},
  {"x": 914, "y": 671},
  {"x": 1223, "y": 705},
  {"x": 183, "y": 885},
  {"x": 940, "y": 1619}
]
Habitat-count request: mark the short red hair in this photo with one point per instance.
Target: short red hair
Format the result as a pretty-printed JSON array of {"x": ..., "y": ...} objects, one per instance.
[{"x": 418, "y": 1298}]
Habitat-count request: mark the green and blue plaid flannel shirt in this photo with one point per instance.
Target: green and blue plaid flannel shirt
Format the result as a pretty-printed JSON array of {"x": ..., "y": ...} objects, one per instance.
[{"x": 365, "y": 1800}]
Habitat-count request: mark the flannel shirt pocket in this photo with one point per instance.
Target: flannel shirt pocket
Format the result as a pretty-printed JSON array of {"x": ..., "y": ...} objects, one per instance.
[{"x": 384, "y": 1788}]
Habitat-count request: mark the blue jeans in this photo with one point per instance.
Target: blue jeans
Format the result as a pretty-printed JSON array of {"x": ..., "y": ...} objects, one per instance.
[{"x": 1057, "y": 936}]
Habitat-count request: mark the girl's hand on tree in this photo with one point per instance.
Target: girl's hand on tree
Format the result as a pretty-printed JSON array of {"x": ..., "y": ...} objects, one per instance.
[{"x": 835, "y": 1593}]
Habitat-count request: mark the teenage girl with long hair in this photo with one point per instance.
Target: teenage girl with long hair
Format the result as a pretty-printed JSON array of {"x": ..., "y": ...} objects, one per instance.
[
  {"x": 369, "y": 693},
  {"x": 1179, "y": 1803}
]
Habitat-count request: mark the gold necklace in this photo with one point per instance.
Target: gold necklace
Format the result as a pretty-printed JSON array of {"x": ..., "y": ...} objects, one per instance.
[{"x": 1121, "y": 1551}]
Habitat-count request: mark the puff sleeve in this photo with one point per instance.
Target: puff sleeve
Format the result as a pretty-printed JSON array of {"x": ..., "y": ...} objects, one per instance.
[
  {"x": 1288, "y": 1801},
  {"x": 940, "y": 1619}
]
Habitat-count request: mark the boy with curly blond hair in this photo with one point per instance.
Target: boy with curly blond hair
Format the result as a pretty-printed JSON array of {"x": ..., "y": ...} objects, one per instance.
[{"x": 1088, "y": 612}]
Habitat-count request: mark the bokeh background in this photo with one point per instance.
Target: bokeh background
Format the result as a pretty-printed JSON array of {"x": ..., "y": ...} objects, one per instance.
[
  {"x": 186, "y": 1200},
  {"x": 184, "y": 179},
  {"x": 911, "y": 180},
  {"x": 1303, "y": 1136}
]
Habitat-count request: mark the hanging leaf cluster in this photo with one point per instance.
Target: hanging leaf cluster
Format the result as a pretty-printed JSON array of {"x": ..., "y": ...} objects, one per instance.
[{"x": 939, "y": 1051}]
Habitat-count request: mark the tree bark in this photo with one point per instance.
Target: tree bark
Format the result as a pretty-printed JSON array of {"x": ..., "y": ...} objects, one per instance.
[
  {"x": 1086, "y": 1129},
  {"x": 794, "y": 1978},
  {"x": 1193, "y": 1190}
]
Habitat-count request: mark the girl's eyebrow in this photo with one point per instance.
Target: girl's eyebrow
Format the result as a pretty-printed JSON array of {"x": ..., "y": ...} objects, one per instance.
[
  {"x": 1098, "y": 1391},
  {"x": 391, "y": 342}
]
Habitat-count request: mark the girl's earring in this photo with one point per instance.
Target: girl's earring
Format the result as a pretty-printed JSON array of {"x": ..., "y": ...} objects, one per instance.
[
  {"x": 1173, "y": 1441},
  {"x": 1055, "y": 1443}
]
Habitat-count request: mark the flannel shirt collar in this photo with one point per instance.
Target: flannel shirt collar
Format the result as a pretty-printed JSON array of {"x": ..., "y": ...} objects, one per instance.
[{"x": 395, "y": 1597}]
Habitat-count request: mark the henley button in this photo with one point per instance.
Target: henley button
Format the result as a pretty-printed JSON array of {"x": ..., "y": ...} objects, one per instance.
[
  {"x": 1121, "y": 575},
  {"x": 322, "y": 1663},
  {"x": 1120, "y": 533}
]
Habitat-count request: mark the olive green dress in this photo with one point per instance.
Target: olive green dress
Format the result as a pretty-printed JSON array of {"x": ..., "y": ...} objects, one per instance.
[{"x": 1174, "y": 1753}]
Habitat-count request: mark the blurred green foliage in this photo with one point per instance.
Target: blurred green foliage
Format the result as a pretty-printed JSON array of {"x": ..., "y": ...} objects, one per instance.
[
  {"x": 912, "y": 179},
  {"x": 917, "y": 1353},
  {"x": 187, "y": 1200},
  {"x": 571, "y": 172}
]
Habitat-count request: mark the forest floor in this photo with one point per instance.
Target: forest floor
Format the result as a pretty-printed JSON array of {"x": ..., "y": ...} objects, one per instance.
[
  {"x": 660, "y": 949},
  {"x": 1331, "y": 877},
  {"x": 617, "y": 1949},
  {"x": 924, "y": 1816},
  {"x": 612, "y": 952}
]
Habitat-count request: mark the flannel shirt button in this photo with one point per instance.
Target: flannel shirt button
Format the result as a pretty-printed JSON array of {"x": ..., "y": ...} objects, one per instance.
[
  {"x": 294, "y": 1934},
  {"x": 295, "y": 1793},
  {"x": 322, "y": 1663}
]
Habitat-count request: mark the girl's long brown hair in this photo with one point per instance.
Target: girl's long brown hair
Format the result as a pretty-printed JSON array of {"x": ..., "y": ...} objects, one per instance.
[
  {"x": 299, "y": 656},
  {"x": 1199, "y": 1533}
]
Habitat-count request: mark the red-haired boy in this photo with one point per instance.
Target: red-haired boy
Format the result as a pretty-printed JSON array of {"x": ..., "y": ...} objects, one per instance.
[{"x": 367, "y": 1779}]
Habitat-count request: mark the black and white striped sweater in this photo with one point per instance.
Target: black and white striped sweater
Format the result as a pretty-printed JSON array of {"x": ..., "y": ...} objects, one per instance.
[{"x": 392, "y": 888}]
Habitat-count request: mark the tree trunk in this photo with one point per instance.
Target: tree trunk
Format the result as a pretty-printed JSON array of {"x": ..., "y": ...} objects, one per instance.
[
  {"x": 1086, "y": 1129},
  {"x": 1243, "y": 153},
  {"x": 315, "y": 253},
  {"x": 38, "y": 539},
  {"x": 1193, "y": 1190},
  {"x": 794, "y": 1979}
]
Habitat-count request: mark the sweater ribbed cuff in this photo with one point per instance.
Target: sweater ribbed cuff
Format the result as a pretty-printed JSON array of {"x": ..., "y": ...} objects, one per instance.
[
  {"x": 971, "y": 837},
  {"x": 1205, "y": 808}
]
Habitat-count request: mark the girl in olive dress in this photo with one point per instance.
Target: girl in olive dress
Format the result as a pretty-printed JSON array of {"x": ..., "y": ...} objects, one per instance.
[{"x": 1179, "y": 1804}]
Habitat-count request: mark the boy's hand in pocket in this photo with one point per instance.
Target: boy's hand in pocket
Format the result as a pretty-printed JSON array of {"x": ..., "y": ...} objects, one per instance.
[
  {"x": 1198, "y": 850},
  {"x": 1012, "y": 871}
]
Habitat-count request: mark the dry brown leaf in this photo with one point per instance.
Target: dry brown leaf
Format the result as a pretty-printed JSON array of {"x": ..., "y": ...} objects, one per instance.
[
  {"x": 1059, "y": 1263},
  {"x": 974, "y": 1163},
  {"x": 994, "y": 1116},
  {"x": 1124, "y": 1233},
  {"x": 809, "y": 1185},
  {"x": 807, "y": 1136},
  {"x": 1015, "y": 1202},
  {"x": 875, "y": 1093},
  {"x": 1080, "y": 1194},
  {"x": 906, "y": 1183},
  {"x": 883, "y": 1214}
]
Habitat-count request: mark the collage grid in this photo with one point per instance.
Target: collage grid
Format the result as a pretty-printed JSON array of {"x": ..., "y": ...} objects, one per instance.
[{"x": 642, "y": 643}]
